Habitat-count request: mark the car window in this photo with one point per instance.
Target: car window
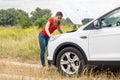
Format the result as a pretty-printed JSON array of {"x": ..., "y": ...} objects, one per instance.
[{"x": 111, "y": 20}]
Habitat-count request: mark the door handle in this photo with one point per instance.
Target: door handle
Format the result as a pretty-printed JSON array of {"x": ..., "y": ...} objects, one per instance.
[{"x": 83, "y": 37}]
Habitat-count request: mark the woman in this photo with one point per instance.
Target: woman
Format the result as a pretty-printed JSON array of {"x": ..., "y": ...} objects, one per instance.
[{"x": 52, "y": 24}]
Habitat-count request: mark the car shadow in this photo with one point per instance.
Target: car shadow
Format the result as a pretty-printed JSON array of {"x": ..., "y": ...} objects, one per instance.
[{"x": 98, "y": 70}]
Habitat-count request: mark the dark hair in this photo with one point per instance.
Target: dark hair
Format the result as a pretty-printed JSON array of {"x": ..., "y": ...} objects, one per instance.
[{"x": 59, "y": 14}]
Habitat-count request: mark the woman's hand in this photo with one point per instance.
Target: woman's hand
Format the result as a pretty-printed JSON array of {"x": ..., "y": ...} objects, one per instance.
[
  {"x": 51, "y": 35},
  {"x": 59, "y": 29}
]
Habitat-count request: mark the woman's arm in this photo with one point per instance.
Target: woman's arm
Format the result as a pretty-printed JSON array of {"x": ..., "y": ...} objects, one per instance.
[
  {"x": 59, "y": 29},
  {"x": 47, "y": 29}
]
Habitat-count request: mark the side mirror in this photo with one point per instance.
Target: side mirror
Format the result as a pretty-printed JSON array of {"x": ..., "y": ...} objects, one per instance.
[{"x": 96, "y": 24}]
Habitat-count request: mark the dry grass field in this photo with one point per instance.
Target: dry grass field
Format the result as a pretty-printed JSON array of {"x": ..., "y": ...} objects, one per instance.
[
  {"x": 19, "y": 58},
  {"x": 23, "y": 71}
]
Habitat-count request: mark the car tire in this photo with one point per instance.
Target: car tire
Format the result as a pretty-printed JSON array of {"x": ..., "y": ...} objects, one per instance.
[{"x": 70, "y": 61}]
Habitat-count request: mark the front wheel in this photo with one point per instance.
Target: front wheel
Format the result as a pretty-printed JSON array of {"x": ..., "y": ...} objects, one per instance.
[{"x": 70, "y": 61}]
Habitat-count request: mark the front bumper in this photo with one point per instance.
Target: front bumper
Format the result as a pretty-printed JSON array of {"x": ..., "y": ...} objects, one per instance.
[{"x": 51, "y": 62}]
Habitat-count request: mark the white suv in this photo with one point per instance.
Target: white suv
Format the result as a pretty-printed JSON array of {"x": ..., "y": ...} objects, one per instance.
[{"x": 97, "y": 43}]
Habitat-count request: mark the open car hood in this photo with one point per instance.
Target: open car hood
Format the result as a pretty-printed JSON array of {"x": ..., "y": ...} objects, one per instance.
[
  {"x": 74, "y": 11},
  {"x": 77, "y": 10}
]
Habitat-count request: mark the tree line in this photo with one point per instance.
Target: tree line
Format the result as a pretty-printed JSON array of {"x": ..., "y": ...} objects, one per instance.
[{"x": 13, "y": 17}]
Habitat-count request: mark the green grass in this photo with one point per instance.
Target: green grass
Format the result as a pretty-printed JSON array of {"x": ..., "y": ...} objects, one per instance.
[{"x": 21, "y": 44}]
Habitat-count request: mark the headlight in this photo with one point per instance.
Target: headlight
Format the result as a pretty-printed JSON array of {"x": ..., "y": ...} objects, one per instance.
[{"x": 54, "y": 37}]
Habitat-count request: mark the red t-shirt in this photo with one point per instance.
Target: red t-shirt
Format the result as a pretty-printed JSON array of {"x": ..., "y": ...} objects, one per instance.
[{"x": 52, "y": 27}]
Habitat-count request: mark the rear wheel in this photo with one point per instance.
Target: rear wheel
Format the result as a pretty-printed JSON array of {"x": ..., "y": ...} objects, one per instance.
[{"x": 70, "y": 61}]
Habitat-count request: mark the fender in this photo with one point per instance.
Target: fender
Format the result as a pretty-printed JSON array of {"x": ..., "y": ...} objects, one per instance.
[{"x": 68, "y": 44}]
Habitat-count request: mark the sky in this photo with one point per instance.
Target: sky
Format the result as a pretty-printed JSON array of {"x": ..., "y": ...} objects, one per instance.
[{"x": 76, "y": 10}]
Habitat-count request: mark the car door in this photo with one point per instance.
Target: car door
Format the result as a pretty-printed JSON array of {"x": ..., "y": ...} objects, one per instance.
[{"x": 104, "y": 43}]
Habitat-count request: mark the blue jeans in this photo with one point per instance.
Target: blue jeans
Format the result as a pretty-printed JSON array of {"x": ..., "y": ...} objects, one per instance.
[{"x": 43, "y": 41}]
